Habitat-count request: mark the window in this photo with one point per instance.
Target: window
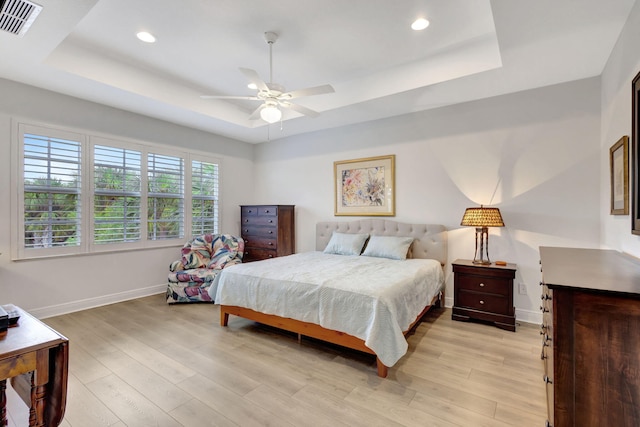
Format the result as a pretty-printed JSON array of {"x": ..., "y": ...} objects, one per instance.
[
  {"x": 166, "y": 197},
  {"x": 52, "y": 189},
  {"x": 86, "y": 193},
  {"x": 204, "y": 197},
  {"x": 116, "y": 194}
]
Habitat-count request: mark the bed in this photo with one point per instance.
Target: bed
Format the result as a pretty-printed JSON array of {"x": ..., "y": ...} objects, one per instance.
[{"x": 366, "y": 302}]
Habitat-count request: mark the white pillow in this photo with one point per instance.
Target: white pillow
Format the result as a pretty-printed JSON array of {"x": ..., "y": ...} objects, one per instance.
[
  {"x": 346, "y": 244},
  {"x": 392, "y": 247}
]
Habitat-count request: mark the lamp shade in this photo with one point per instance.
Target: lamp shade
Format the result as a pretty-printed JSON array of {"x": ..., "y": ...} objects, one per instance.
[
  {"x": 270, "y": 114},
  {"x": 482, "y": 217}
]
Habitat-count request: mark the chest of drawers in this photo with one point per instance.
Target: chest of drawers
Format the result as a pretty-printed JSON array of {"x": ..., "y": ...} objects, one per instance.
[
  {"x": 591, "y": 337},
  {"x": 268, "y": 231},
  {"x": 484, "y": 292}
]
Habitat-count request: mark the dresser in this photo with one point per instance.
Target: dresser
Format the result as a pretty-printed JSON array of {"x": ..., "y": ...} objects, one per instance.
[
  {"x": 268, "y": 231},
  {"x": 484, "y": 292},
  {"x": 591, "y": 337}
]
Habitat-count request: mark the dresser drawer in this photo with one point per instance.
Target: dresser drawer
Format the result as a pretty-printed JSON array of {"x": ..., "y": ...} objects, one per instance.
[
  {"x": 490, "y": 285},
  {"x": 259, "y": 231},
  {"x": 248, "y": 211},
  {"x": 484, "y": 302},
  {"x": 268, "y": 211},
  {"x": 260, "y": 242},
  {"x": 252, "y": 254},
  {"x": 259, "y": 220}
]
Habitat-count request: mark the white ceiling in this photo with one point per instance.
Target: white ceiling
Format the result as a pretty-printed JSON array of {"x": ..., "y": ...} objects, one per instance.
[{"x": 365, "y": 49}]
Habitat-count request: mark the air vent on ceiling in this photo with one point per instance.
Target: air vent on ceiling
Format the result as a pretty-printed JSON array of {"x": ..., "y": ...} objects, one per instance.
[{"x": 16, "y": 16}]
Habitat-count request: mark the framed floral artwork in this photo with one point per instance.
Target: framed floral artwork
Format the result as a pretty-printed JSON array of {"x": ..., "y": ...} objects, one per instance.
[{"x": 365, "y": 187}]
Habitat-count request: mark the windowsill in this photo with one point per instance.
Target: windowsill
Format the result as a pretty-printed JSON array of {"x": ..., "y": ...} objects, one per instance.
[{"x": 102, "y": 252}]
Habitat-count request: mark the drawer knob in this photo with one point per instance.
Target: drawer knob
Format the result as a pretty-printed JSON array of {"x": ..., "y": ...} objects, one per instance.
[
  {"x": 270, "y": 221},
  {"x": 250, "y": 211},
  {"x": 266, "y": 211},
  {"x": 482, "y": 285},
  {"x": 545, "y": 297},
  {"x": 544, "y": 309},
  {"x": 246, "y": 230},
  {"x": 270, "y": 256},
  {"x": 481, "y": 302},
  {"x": 270, "y": 231},
  {"x": 270, "y": 243},
  {"x": 547, "y": 380},
  {"x": 246, "y": 220}
]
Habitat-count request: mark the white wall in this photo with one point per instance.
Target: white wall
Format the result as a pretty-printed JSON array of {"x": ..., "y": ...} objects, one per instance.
[
  {"x": 623, "y": 65},
  {"x": 534, "y": 154},
  {"x": 57, "y": 285}
]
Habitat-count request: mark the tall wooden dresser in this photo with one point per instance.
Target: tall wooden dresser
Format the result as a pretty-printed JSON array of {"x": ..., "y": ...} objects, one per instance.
[
  {"x": 268, "y": 231},
  {"x": 591, "y": 337}
]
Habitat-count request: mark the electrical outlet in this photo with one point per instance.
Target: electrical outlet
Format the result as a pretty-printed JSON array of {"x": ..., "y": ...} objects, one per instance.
[{"x": 522, "y": 289}]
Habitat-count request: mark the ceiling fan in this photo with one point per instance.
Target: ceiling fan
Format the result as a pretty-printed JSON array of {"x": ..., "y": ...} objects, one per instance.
[{"x": 273, "y": 95}]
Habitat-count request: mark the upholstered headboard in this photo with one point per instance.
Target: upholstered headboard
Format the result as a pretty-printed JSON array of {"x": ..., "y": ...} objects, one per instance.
[{"x": 430, "y": 240}]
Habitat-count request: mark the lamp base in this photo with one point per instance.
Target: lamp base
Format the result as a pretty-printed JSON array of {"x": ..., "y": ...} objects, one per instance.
[{"x": 481, "y": 256}]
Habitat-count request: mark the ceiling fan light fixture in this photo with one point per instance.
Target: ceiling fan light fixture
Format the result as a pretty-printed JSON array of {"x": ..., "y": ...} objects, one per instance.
[{"x": 270, "y": 114}]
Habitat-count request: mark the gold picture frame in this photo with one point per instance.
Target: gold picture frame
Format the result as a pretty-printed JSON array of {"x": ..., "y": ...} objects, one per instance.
[
  {"x": 365, "y": 187},
  {"x": 619, "y": 168}
]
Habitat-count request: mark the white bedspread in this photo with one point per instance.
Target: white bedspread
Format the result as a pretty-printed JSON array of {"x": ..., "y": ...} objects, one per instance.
[{"x": 374, "y": 299}]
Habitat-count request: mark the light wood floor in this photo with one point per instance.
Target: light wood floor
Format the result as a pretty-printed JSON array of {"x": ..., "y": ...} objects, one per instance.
[{"x": 144, "y": 363}]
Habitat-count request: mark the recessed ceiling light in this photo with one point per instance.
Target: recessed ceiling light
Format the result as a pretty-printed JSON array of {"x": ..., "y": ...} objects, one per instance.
[
  {"x": 146, "y": 37},
  {"x": 420, "y": 24},
  {"x": 252, "y": 86}
]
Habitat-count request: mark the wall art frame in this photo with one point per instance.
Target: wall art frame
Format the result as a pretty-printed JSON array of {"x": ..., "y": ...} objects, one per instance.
[
  {"x": 635, "y": 153},
  {"x": 365, "y": 187},
  {"x": 619, "y": 170}
]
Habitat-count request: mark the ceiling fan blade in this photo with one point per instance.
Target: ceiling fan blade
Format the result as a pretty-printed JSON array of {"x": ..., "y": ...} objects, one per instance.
[
  {"x": 250, "y": 98},
  {"x": 256, "y": 113},
  {"x": 317, "y": 90},
  {"x": 254, "y": 78},
  {"x": 299, "y": 109}
]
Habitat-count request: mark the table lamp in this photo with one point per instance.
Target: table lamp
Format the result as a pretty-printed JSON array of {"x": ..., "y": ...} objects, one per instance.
[{"x": 481, "y": 218}]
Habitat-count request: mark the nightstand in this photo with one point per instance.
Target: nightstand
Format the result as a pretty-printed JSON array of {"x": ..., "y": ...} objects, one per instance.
[{"x": 484, "y": 292}]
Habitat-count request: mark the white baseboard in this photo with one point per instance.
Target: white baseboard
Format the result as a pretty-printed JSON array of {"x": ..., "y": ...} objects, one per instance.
[
  {"x": 70, "y": 307},
  {"x": 528, "y": 316}
]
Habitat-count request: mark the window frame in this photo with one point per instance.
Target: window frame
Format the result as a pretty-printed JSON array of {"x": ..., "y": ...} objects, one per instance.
[{"x": 88, "y": 140}]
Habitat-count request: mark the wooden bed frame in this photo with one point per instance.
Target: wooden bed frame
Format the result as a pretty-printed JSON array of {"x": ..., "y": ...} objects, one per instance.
[
  {"x": 430, "y": 241},
  {"x": 316, "y": 331}
]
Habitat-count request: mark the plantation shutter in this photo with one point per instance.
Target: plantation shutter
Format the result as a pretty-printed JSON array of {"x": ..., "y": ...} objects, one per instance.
[
  {"x": 117, "y": 195},
  {"x": 52, "y": 192},
  {"x": 165, "y": 197},
  {"x": 204, "y": 197}
]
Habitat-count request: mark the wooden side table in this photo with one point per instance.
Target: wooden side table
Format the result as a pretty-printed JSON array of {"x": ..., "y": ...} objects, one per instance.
[
  {"x": 36, "y": 358},
  {"x": 484, "y": 292}
]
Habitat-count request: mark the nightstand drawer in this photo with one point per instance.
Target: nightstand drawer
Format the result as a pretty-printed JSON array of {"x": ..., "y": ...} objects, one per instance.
[
  {"x": 489, "y": 285},
  {"x": 485, "y": 302}
]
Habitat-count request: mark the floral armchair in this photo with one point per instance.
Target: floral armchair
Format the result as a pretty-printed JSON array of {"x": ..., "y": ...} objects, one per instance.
[{"x": 203, "y": 257}]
